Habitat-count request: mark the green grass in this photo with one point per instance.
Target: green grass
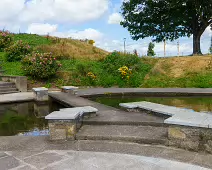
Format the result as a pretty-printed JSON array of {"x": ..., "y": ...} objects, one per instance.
[
  {"x": 196, "y": 79},
  {"x": 10, "y": 68},
  {"x": 32, "y": 39}
]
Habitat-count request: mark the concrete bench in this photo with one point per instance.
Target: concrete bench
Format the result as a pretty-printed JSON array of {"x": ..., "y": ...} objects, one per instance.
[{"x": 64, "y": 124}]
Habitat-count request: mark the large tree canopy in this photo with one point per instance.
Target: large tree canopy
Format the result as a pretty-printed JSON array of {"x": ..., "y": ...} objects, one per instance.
[{"x": 167, "y": 19}]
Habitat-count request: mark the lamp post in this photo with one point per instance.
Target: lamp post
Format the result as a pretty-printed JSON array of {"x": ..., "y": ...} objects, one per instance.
[{"x": 124, "y": 45}]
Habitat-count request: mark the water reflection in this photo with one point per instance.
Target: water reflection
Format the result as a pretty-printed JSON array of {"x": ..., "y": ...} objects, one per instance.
[{"x": 25, "y": 118}]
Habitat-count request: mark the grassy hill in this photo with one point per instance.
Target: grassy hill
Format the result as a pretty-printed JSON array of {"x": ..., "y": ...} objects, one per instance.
[
  {"x": 192, "y": 71},
  {"x": 78, "y": 58}
]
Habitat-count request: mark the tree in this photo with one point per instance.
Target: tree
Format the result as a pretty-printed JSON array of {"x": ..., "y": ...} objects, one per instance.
[
  {"x": 150, "y": 51},
  {"x": 167, "y": 19}
]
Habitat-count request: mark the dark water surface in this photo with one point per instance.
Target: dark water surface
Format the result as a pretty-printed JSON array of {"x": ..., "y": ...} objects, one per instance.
[
  {"x": 25, "y": 118},
  {"x": 199, "y": 104}
]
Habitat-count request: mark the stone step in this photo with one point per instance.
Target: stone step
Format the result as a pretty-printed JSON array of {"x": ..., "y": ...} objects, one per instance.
[
  {"x": 8, "y": 92},
  {"x": 10, "y": 86},
  {"x": 7, "y": 89},
  {"x": 7, "y": 84},
  {"x": 136, "y": 134}
]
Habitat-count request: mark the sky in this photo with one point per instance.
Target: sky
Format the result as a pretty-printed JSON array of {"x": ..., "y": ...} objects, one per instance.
[{"x": 80, "y": 19}]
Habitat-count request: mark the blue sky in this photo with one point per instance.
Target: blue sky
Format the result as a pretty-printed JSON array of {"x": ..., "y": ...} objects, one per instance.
[{"x": 80, "y": 19}]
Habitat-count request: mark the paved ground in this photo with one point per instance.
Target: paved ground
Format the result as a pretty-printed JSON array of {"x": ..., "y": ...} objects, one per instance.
[
  {"x": 73, "y": 160},
  {"x": 16, "y": 97},
  {"x": 107, "y": 114},
  {"x": 37, "y": 152}
]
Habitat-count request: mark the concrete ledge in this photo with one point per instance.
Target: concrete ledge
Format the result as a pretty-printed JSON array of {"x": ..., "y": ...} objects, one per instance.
[
  {"x": 69, "y": 89},
  {"x": 20, "y": 82}
]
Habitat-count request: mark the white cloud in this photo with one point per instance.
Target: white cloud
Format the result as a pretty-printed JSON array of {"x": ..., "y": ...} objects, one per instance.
[
  {"x": 54, "y": 11},
  {"x": 87, "y": 33},
  {"x": 62, "y": 11},
  {"x": 41, "y": 29},
  {"x": 115, "y": 18}
]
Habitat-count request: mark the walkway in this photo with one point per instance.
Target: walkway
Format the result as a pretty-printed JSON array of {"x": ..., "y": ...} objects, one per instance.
[
  {"x": 38, "y": 153},
  {"x": 16, "y": 97}
]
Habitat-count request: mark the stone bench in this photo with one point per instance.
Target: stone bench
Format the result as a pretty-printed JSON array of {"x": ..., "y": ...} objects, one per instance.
[{"x": 63, "y": 124}]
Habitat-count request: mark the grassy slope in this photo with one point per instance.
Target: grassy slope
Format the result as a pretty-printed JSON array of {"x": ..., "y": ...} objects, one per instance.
[
  {"x": 193, "y": 71},
  {"x": 65, "y": 49}
]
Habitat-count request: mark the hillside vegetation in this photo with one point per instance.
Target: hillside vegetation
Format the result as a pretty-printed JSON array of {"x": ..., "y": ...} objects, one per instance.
[
  {"x": 85, "y": 65},
  {"x": 192, "y": 71}
]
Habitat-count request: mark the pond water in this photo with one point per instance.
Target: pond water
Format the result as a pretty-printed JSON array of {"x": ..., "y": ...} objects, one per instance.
[
  {"x": 25, "y": 119},
  {"x": 199, "y": 104}
]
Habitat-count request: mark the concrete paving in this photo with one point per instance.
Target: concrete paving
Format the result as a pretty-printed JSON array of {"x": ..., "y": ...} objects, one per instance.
[
  {"x": 16, "y": 97},
  {"x": 107, "y": 114},
  {"x": 38, "y": 153},
  {"x": 81, "y": 160}
]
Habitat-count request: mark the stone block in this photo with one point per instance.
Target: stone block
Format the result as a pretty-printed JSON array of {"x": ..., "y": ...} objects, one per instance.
[
  {"x": 40, "y": 94},
  {"x": 184, "y": 137},
  {"x": 62, "y": 130},
  {"x": 69, "y": 89},
  {"x": 176, "y": 133}
]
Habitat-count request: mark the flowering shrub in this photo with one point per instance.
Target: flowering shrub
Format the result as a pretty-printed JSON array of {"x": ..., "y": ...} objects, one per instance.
[
  {"x": 17, "y": 51},
  {"x": 5, "y": 39},
  {"x": 40, "y": 65},
  {"x": 91, "y": 76},
  {"x": 125, "y": 72}
]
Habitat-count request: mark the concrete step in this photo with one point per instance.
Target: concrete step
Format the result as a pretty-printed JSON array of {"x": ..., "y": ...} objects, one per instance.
[
  {"x": 124, "y": 133},
  {"x": 8, "y": 92},
  {"x": 7, "y": 89},
  {"x": 10, "y": 86},
  {"x": 6, "y": 84}
]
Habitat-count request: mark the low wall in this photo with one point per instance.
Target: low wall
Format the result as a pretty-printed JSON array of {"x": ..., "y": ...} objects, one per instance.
[
  {"x": 190, "y": 138},
  {"x": 20, "y": 82}
]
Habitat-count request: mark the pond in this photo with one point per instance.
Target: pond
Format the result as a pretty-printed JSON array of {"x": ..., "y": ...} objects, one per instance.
[
  {"x": 199, "y": 104},
  {"x": 26, "y": 119}
]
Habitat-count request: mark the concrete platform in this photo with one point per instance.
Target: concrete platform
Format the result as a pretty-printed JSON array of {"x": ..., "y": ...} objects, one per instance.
[{"x": 16, "y": 97}]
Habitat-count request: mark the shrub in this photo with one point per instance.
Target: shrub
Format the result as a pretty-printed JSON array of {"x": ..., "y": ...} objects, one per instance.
[
  {"x": 40, "y": 65},
  {"x": 116, "y": 60},
  {"x": 17, "y": 51},
  {"x": 5, "y": 39}
]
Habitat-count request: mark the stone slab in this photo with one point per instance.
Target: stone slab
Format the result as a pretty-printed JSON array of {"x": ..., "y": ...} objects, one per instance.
[
  {"x": 39, "y": 89},
  {"x": 8, "y": 163},
  {"x": 85, "y": 109},
  {"x": 63, "y": 115},
  {"x": 44, "y": 159},
  {"x": 179, "y": 116},
  {"x": 70, "y": 87}
]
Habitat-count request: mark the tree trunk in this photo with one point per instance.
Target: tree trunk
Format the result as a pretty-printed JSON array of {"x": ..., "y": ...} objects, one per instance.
[{"x": 196, "y": 44}]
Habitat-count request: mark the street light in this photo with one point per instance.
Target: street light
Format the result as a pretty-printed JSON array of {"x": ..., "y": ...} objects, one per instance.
[{"x": 124, "y": 45}]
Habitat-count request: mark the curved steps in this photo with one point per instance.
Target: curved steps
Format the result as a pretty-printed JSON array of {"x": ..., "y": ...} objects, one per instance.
[{"x": 135, "y": 134}]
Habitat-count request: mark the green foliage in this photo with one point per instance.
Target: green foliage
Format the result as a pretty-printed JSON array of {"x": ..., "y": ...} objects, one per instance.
[
  {"x": 40, "y": 65},
  {"x": 5, "y": 39},
  {"x": 10, "y": 68},
  {"x": 116, "y": 60},
  {"x": 16, "y": 51},
  {"x": 151, "y": 51},
  {"x": 167, "y": 19},
  {"x": 198, "y": 80}
]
